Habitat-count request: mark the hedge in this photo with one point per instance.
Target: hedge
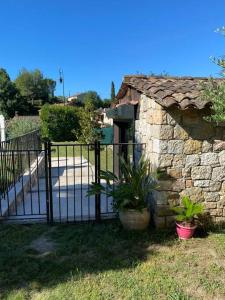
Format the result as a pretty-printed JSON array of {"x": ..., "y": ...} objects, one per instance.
[{"x": 59, "y": 123}]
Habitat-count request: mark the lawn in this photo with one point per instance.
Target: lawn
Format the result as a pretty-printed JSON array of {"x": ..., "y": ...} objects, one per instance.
[
  {"x": 103, "y": 261},
  {"x": 86, "y": 152}
]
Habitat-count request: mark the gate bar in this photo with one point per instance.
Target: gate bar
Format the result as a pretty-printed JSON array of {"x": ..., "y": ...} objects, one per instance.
[{"x": 97, "y": 180}]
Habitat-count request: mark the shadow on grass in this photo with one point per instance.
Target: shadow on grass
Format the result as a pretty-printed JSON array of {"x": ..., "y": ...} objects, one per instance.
[{"x": 79, "y": 250}]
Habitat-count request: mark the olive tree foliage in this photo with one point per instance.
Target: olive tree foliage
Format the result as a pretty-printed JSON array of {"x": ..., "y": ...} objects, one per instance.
[
  {"x": 214, "y": 91},
  {"x": 11, "y": 100}
]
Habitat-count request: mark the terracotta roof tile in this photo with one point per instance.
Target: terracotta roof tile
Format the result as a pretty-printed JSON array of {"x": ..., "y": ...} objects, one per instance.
[{"x": 183, "y": 92}]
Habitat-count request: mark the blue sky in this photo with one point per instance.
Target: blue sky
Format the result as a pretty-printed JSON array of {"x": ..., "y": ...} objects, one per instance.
[{"x": 97, "y": 41}]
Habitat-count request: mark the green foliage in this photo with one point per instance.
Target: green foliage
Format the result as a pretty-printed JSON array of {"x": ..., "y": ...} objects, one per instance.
[
  {"x": 21, "y": 125},
  {"x": 90, "y": 96},
  {"x": 131, "y": 189},
  {"x": 188, "y": 211},
  {"x": 87, "y": 132},
  {"x": 10, "y": 98},
  {"x": 106, "y": 103},
  {"x": 59, "y": 123},
  {"x": 215, "y": 93},
  {"x": 34, "y": 86}
]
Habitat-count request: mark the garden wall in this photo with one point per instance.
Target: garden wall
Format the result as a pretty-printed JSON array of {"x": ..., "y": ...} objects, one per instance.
[{"x": 190, "y": 154}]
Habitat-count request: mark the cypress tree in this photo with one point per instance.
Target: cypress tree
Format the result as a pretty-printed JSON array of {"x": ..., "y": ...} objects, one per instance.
[{"x": 113, "y": 95}]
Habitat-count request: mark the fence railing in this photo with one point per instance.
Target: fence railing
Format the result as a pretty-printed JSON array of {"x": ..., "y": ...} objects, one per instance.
[{"x": 16, "y": 156}]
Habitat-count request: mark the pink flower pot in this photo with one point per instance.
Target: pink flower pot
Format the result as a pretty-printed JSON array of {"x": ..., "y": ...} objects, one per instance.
[{"x": 185, "y": 232}]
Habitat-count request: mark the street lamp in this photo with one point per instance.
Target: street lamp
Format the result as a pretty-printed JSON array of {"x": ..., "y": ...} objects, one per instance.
[{"x": 61, "y": 80}]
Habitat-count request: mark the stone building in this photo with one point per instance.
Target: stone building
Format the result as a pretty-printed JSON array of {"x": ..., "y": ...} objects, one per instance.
[{"x": 168, "y": 115}]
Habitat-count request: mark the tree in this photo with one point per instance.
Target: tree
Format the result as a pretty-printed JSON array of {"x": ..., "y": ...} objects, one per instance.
[
  {"x": 34, "y": 86},
  {"x": 90, "y": 96},
  {"x": 215, "y": 92},
  {"x": 220, "y": 61},
  {"x": 113, "y": 94},
  {"x": 10, "y": 97}
]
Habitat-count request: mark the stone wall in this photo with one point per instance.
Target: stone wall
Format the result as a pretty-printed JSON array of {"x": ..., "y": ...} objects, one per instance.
[{"x": 186, "y": 149}]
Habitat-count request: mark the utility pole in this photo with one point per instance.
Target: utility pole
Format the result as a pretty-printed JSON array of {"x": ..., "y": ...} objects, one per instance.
[{"x": 61, "y": 80}]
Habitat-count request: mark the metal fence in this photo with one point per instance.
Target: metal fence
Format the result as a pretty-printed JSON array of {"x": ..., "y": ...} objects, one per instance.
[
  {"x": 72, "y": 169},
  {"x": 53, "y": 184},
  {"x": 17, "y": 156}
]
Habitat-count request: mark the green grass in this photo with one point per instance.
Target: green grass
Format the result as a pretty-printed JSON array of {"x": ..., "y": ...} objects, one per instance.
[
  {"x": 103, "y": 261},
  {"x": 106, "y": 154}
]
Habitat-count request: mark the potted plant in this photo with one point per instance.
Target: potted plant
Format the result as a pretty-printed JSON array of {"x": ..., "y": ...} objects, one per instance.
[
  {"x": 129, "y": 192},
  {"x": 187, "y": 217}
]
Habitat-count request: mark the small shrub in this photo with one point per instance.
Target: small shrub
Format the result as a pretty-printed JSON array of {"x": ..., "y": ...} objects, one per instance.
[
  {"x": 59, "y": 123},
  {"x": 21, "y": 125}
]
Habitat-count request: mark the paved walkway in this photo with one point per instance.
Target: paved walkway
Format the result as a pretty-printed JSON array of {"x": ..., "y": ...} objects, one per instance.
[{"x": 71, "y": 179}]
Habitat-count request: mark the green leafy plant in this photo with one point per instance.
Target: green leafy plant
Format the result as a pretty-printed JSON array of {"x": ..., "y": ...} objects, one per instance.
[
  {"x": 129, "y": 190},
  {"x": 215, "y": 93},
  {"x": 59, "y": 122},
  {"x": 188, "y": 212},
  {"x": 22, "y": 125}
]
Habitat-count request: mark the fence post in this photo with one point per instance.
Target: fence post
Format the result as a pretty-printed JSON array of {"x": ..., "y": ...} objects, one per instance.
[
  {"x": 48, "y": 182},
  {"x": 97, "y": 180},
  {"x": 2, "y": 128}
]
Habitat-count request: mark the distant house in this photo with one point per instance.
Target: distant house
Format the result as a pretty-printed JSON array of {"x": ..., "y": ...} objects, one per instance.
[
  {"x": 103, "y": 119},
  {"x": 73, "y": 97}
]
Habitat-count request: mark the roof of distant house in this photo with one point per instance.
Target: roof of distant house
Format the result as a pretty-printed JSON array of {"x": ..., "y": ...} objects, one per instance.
[{"x": 183, "y": 92}]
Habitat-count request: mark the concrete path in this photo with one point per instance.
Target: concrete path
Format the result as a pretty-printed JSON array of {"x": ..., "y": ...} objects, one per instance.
[{"x": 71, "y": 179}]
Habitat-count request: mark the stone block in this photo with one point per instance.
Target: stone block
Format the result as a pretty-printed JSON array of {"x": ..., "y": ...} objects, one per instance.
[
  {"x": 155, "y": 131},
  {"x": 174, "y": 172},
  {"x": 210, "y": 205},
  {"x": 165, "y": 160},
  {"x": 165, "y": 185},
  {"x": 195, "y": 194},
  {"x": 192, "y": 147},
  {"x": 173, "y": 198},
  {"x": 166, "y": 132},
  {"x": 175, "y": 146},
  {"x": 159, "y": 146},
  {"x": 201, "y": 172},
  {"x": 209, "y": 159},
  {"x": 158, "y": 117},
  {"x": 216, "y": 212},
  {"x": 219, "y": 145},
  {"x": 178, "y": 160},
  {"x": 222, "y": 158},
  {"x": 202, "y": 183},
  {"x": 211, "y": 196},
  {"x": 180, "y": 133},
  {"x": 206, "y": 146},
  {"x": 214, "y": 186},
  {"x": 186, "y": 172},
  {"x": 178, "y": 185},
  {"x": 188, "y": 183},
  {"x": 192, "y": 160},
  {"x": 218, "y": 174}
]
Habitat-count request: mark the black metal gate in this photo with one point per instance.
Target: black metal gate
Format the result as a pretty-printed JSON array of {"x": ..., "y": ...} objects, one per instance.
[{"x": 53, "y": 181}]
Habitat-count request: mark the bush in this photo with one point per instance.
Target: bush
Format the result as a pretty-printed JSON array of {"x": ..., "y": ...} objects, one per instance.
[
  {"x": 59, "y": 123},
  {"x": 21, "y": 125}
]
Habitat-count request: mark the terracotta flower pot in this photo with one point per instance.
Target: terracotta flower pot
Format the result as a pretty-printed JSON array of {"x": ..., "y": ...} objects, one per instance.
[
  {"x": 132, "y": 219},
  {"x": 185, "y": 232}
]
